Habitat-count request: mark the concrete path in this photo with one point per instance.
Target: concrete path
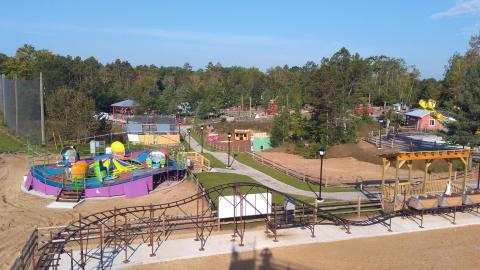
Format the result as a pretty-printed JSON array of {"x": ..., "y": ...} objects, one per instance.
[
  {"x": 265, "y": 179},
  {"x": 258, "y": 240}
]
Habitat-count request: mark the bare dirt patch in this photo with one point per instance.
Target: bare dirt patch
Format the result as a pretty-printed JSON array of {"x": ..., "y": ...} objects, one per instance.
[
  {"x": 438, "y": 249},
  {"x": 20, "y": 212},
  {"x": 336, "y": 170},
  {"x": 349, "y": 162}
]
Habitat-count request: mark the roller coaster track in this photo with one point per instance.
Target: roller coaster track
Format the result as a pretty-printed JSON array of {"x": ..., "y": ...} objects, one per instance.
[{"x": 121, "y": 226}]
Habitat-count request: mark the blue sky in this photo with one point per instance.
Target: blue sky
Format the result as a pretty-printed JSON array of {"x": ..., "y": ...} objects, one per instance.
[{"x": 426, "y": 33}]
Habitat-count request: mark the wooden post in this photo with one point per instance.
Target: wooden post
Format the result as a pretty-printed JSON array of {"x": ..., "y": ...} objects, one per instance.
[
  {"x": 410, "y": 166},
  {"x": 450, "y": 168},
  {"x": 465, "y": 164},
  {"x": 386, "y": 164},
  {"x": 397, "y": 178},
  {"x": 428, "y": 162},
  {"x": 359, "y": 205}
]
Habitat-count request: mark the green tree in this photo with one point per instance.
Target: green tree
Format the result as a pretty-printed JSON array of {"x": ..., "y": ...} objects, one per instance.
[
  {"x": 462, "y": 83},
  {"x": 279, "y": 129},
  {"x": 71, "y": 114}
]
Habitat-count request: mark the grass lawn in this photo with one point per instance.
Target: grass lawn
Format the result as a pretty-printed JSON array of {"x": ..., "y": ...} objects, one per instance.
[
  {"x": 214, "y": 162},
  {"x": 289, "y": 180},
  {"x": 210, "y": 179},
  {"x": 9, "y": 143},
  {"x": 197, "y": 138}
]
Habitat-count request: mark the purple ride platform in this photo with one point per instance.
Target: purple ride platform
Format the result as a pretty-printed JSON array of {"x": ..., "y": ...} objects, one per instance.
[{"x": 131, "y": 189}]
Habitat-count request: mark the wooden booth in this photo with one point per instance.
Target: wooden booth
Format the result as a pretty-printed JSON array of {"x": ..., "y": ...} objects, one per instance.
[
  {"x": 429, "y": 193},
  {"x": 242, "y": 134}
]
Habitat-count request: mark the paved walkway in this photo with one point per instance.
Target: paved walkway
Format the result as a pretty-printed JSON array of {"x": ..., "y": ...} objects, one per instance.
[
  {"x": 258, "y": 240},
  {"x": 265, "y": 179}
]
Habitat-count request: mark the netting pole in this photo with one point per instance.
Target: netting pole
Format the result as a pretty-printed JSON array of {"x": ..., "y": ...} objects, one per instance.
[
  {"x": 3, "y": 99},
  {"x": 42, "y": 119},
  {"x": 16, "y": 105}
]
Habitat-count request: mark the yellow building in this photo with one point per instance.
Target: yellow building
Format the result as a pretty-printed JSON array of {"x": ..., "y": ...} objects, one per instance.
[{"x": 242, "y": 134}]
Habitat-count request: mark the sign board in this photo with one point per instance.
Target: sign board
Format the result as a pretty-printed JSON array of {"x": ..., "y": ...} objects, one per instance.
[
  {"x": 245, "y": 205},
  {"x": 97, "y": 147},
  {"x": 133, "y": 138}
]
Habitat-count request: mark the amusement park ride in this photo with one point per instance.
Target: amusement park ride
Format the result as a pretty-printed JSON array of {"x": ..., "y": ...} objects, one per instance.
[
  {"x": 70, "y": 178},
  {"x": 88, "y": 241}
]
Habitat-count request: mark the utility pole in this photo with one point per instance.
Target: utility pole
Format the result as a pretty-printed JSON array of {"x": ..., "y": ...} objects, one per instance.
[
  {"x": 241, "y": 103},
  {"x": 250, "y": 107},
  {"x": 42, "y": 112}
]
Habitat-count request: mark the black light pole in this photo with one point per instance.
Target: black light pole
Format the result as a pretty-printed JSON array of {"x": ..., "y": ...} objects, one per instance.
[
  {"x": 478, "y": 177},
  {"x": 322, "y": 154},
  {"x": 201, "y": 128},
  {"x": 229, "y": 136},
  {"x": 380, "y": 122},
  {"x": 189, "y": 146}
]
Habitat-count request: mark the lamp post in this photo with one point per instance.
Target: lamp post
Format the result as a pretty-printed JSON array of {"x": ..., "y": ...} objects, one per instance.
[
  {"x": 189, "y": 146},
  {"x": 322, "y": 154},
  {"x": 478, "y": 177},
  {"x": 229, "y": 136},
  {"x": 201, "y": 128},
  {"x": 380, "y": 122}
]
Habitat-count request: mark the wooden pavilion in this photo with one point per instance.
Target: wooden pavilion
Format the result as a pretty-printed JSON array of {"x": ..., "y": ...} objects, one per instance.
[{"x": 394, "y": 196}]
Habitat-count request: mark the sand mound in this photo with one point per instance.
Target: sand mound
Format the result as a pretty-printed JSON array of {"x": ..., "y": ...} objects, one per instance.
[{"x": 21, "y": 212}]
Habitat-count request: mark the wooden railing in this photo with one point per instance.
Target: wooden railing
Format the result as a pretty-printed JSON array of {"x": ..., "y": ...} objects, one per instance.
[
  {"x": 432, "y": 187},
  {"x": 27, "y": 259},
  {"x": 198, "y": 159},
  {"x": 300, "y": 176},
  {"x": 201, "y": 189}
]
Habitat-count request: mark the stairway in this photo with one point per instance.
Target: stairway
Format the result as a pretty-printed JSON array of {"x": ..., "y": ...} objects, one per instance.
[{"x": 70, "y": 195}]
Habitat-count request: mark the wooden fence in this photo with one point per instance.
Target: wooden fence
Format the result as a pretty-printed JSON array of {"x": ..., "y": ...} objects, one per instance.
[
  {"x": 201, "y": 189},
  {"x": 298, "y": 175},
  {"x": 199, "y": 162},
  {"x": 26, "y": 259}
]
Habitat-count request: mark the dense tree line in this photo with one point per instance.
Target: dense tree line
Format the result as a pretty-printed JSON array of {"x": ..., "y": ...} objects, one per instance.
[
  {"x": 460, "y": 95},
  {"x": 332, "y": 87}
]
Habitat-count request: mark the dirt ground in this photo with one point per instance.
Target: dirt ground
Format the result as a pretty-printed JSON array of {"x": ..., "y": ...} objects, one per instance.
[
  {"x": 343, "y": 163},
  {"x": 438, "y": 249},
  {"x": 20, "y": 212}
]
